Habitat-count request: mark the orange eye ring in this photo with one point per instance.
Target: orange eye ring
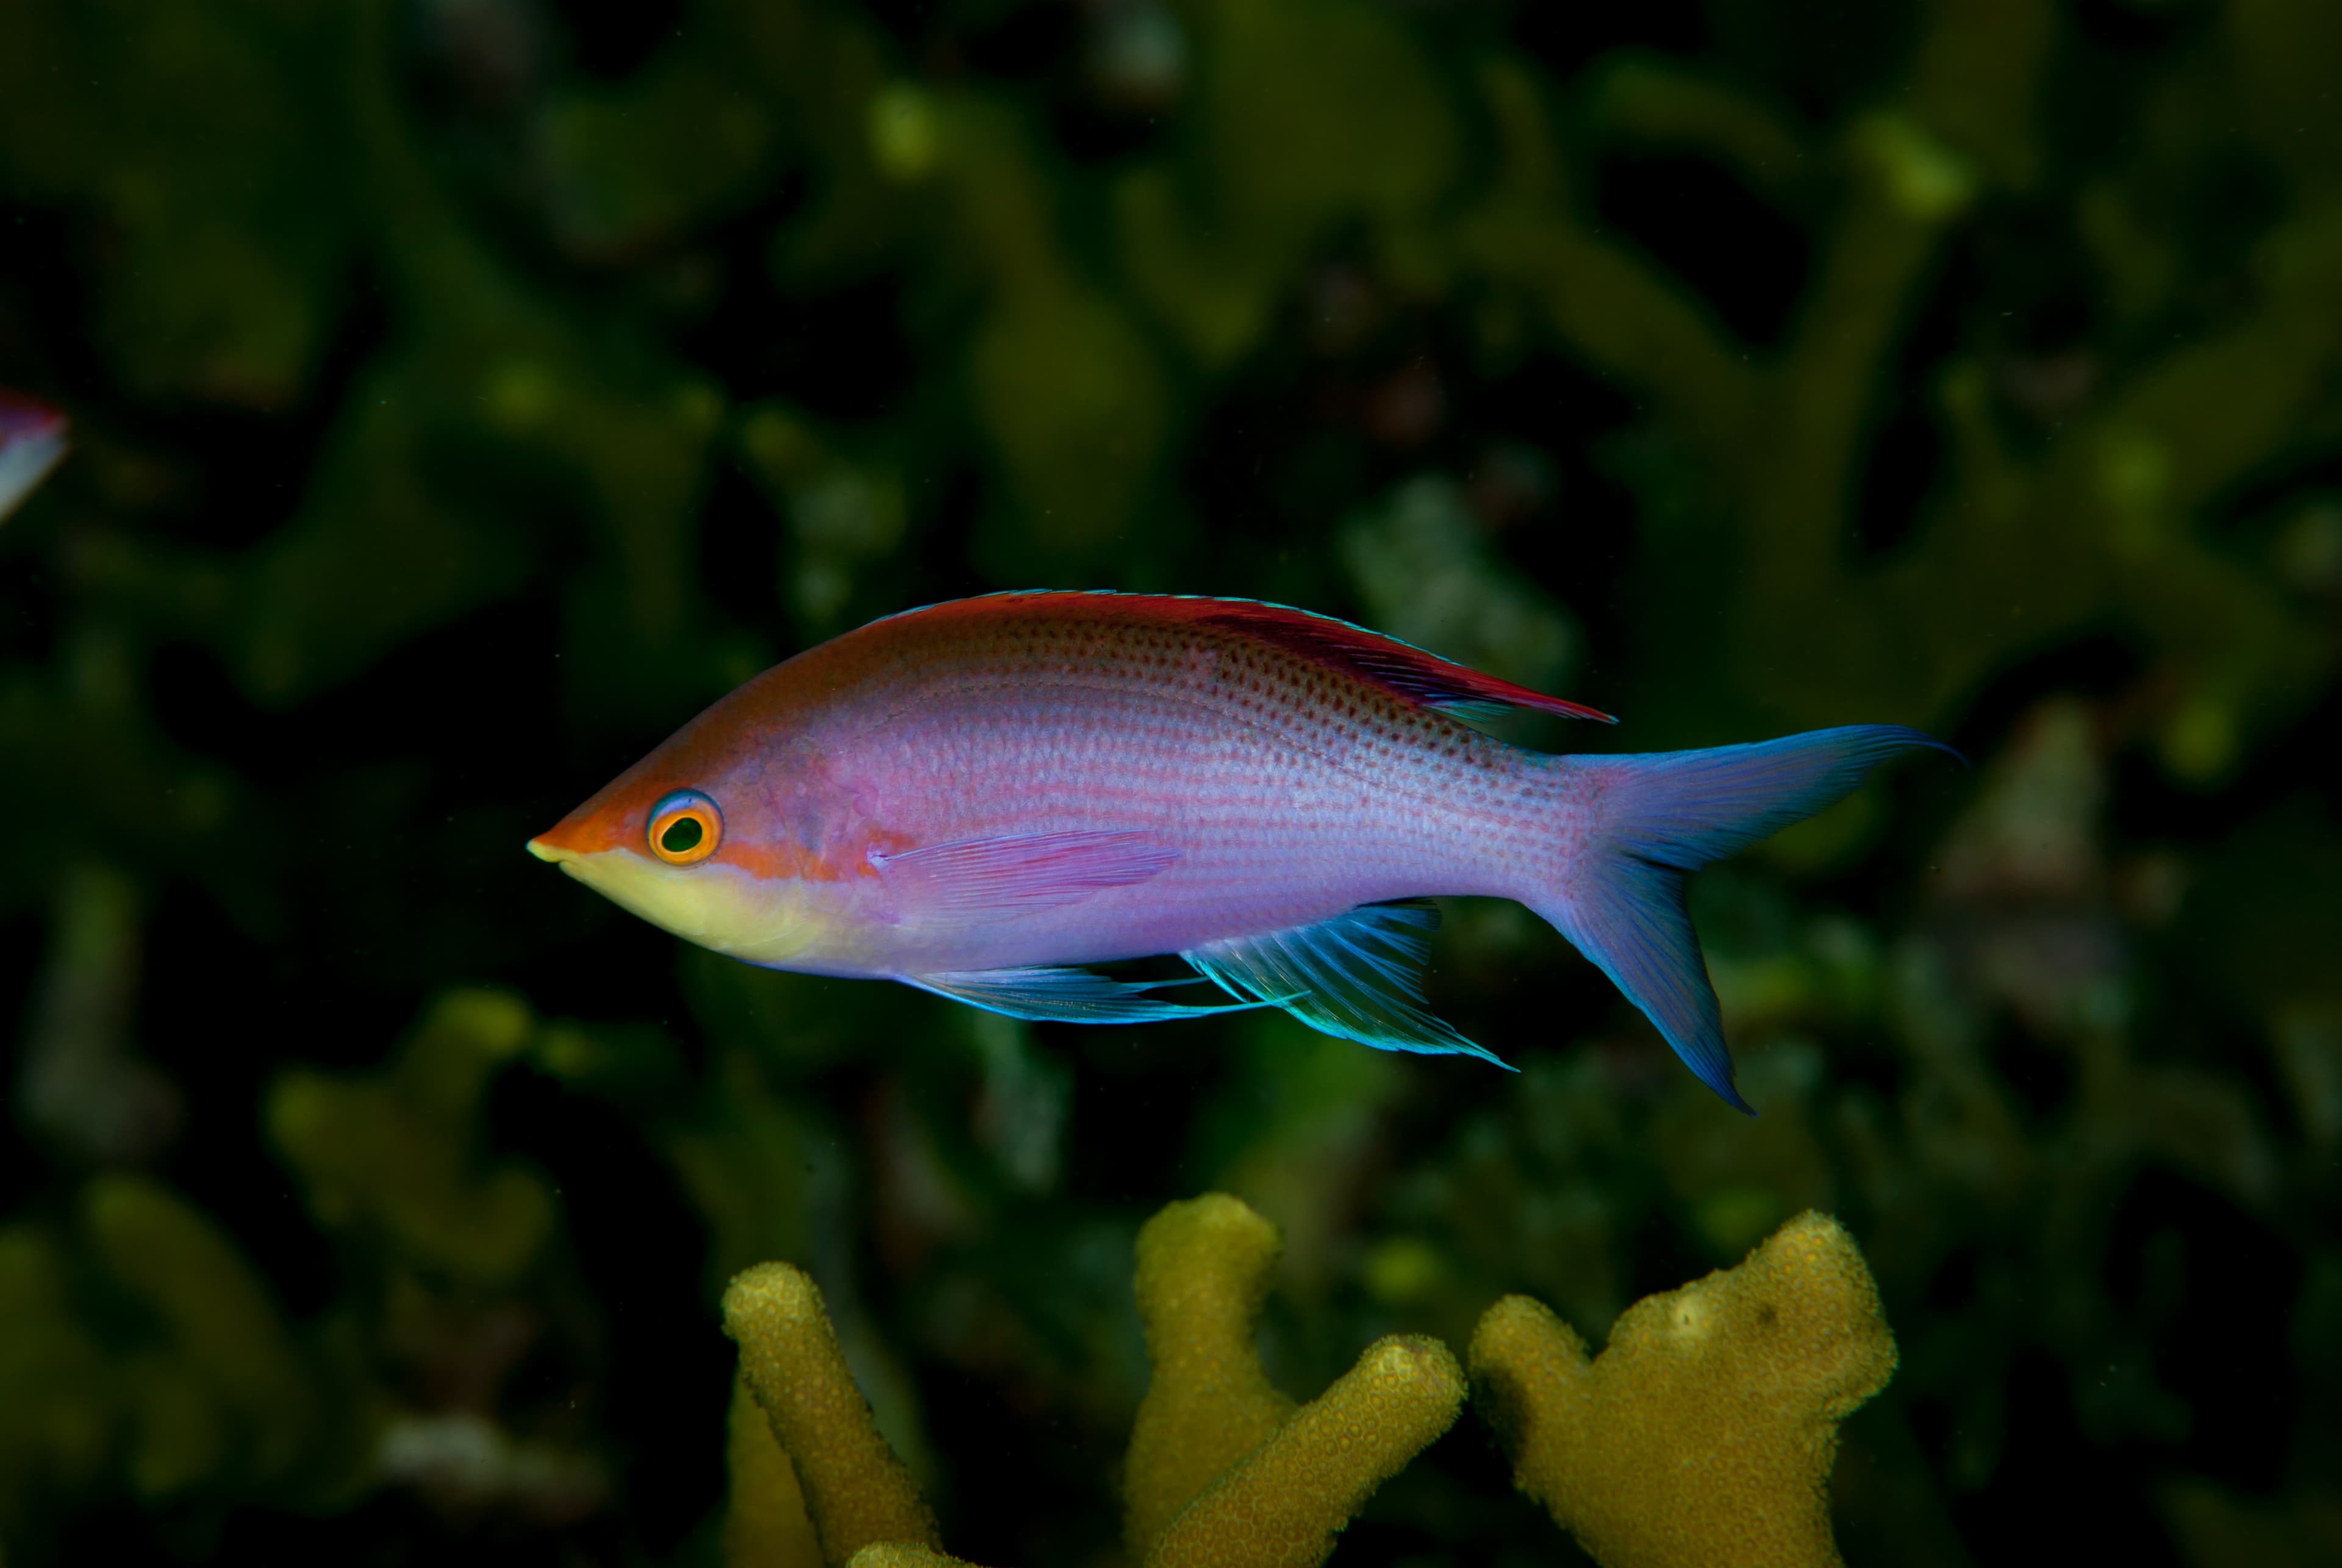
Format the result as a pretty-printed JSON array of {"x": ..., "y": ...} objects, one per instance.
[{"x": 685, "y": 827}]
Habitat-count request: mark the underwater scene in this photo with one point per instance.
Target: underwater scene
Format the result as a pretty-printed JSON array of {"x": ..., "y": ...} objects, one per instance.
[{"x": 413, "y": 412}]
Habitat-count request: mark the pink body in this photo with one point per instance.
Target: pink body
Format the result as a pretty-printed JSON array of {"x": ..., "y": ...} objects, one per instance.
[
  {"x": 1290, "y": 796},
  {"x": 1290, "y": 790}
]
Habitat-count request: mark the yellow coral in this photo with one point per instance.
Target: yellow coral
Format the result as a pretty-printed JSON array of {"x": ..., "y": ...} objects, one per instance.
[
  {"x": 1203, "y": 1274},
  {"x": 225, "y": 1381},
  {"x": 1704, "y": 1433},
  {"x": 901, "y": 1555},
  {"x": 141, "y": 1352},
  {"x": 855, "y": 1491},
  {"x": 1283, "y": 1506},
  {"x": 395, "y": 1150},
  {"x": 765, "y": 1519},
  {"x": 1224, "y": 1470}
]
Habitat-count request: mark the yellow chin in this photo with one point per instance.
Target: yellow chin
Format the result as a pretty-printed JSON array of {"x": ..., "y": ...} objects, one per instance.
[{"x": 758, "y": 919}]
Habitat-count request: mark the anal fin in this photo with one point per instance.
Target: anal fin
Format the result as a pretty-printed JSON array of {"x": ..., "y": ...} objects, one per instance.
[{"x": 1357, "y": 976}]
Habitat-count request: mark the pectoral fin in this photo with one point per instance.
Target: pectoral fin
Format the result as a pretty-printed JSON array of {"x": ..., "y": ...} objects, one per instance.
[{"x": 972, "y": 877}]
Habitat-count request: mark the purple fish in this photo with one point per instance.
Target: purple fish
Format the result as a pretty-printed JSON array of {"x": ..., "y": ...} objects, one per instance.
[
  {"x": 32, "y": 442},
  {"x": 983, "y": 798}
]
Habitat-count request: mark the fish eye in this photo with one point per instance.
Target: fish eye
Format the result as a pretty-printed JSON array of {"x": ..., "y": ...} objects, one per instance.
[{"x": 685, "y": 827}]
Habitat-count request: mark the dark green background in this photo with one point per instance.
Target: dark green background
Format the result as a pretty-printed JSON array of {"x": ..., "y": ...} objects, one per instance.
[{"x": 465, "y": 392}]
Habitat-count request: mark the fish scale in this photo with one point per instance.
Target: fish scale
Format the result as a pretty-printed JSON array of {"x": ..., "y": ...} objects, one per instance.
[{"x": 985, "y": 797}]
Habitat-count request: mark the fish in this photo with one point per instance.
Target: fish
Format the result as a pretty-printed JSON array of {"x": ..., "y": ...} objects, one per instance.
[
  {"x": 32, "y": 443},
  {"x": 990, "y": 798}
]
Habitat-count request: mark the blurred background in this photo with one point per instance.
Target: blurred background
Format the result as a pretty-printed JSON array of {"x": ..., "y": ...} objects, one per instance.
[{"x": 466, "y": 392}]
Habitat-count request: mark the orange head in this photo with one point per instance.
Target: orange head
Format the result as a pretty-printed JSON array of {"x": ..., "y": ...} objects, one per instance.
[{"x": 728, "y": 835}]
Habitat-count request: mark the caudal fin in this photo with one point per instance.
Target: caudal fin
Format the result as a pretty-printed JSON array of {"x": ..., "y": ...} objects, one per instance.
[{"x": 1651, "y": 820}]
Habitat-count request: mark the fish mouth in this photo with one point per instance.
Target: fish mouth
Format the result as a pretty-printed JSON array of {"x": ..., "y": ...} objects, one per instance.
[
  {"x": 550, "y": 853},
  {"x": 576, "y": 864}
]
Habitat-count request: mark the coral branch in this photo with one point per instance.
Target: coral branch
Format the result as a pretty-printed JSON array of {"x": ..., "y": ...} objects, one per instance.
[
  {"x": 764, "y": 1520},
  {"x": 1223, "y": 1469},
  {"x": 1705, "y": 1432},
  {"x": 393, "y": 1153},
  {"x": 855, "y": 1491},
  {"x": 1283, "y": 1507},
  {"x": 1659, "y": 101},
  {"x": 1615, "y": 310},
  {"x": 901, "y": 1555},
  {"x": 1203, "y": 1274}
]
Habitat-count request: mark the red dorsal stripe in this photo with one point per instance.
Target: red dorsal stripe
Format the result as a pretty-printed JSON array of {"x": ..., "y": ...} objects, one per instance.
[
  {"x": 1385, "y": 661},
  {"x": 1395, "y": 666}
]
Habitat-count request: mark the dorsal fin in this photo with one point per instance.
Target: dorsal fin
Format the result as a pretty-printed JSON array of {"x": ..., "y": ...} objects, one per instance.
[
  {"x": 1385, "y": 661},
  {"x": 1400, "y": 668}
]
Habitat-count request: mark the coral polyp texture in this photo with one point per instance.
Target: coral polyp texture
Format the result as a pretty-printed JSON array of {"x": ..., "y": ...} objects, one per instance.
[
  {"x": 1223, "y": 1468},
  {"x": 1704, "y": 1433},
  {"x": 851, "y": 1488}
]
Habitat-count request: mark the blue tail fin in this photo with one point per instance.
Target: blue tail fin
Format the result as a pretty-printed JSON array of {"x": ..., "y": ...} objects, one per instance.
[{"x": 1650, "y": 820}]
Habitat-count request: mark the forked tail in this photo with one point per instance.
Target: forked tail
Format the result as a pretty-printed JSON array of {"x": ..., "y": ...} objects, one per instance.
[{"x": 1646, "y": 822}]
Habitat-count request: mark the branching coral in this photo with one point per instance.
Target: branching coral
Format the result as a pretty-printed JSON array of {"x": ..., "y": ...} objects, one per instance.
[
  {"x": 1704, "y": 1433},
  {"x": 855, "y": 1490},
  {"x": 1203, "y": 1274},
  {"x": 142, "y": 1356},
  {"x": 145, "y": 1358},
  {"x": 393, "y": 1151},
  {"x": 1223, "y": 1468}
]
